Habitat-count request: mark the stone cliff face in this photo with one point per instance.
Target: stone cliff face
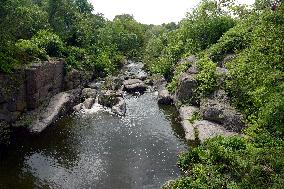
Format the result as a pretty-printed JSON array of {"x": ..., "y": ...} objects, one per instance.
[{"x": 27, "y": 89}]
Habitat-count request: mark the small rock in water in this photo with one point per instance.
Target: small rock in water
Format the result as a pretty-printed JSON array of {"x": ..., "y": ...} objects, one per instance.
[{"x": 88, "y": 103}]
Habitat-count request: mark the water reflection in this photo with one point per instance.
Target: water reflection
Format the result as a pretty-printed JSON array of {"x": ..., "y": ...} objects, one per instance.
[{"x": 99, "y": 150}]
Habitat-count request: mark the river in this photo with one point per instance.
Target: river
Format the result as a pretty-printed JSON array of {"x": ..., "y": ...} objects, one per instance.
[{"x": 99, "y": 150}]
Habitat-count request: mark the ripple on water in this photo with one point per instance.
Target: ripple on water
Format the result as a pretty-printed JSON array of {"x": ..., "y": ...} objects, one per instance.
[{"x": 100, "y": 150}]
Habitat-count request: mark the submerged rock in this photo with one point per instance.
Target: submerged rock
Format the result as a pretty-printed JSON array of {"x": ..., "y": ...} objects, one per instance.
[{"x": 134, "y": 85}]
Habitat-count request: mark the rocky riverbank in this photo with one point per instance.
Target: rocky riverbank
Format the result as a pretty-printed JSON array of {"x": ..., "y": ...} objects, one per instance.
[{"x": 205, "y": 118}]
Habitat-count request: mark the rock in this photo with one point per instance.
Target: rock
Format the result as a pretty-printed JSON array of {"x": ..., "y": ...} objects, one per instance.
[
  {"x": 120, "y": 107},
  {"x": 164, "y": 97},
  {"x": 89, "y": 93},
  {"x": 57, "y": 106},
  {"x": 109, "y": 98},
  {"x": 113, "y": 83},
  {"x": 142, "y": 75},
  {"x": 207, "y": 129},
  {"x": 134, "y": 85},
  {"x": 78, "y": 107},
  {"x": 186, "y": 112},
  {"x": 88, "y": 103},
  {"x": 186, "y": 89},
  {"x": 95, "y": 85},
  {"x": 221, "y": 112}
]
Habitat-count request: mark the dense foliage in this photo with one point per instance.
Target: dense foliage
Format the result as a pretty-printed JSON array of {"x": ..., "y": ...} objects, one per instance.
[
  {"x": 254, "y": 40},
  {"x": 32, "y": 30},
  {"x": 43, "y": 29}
]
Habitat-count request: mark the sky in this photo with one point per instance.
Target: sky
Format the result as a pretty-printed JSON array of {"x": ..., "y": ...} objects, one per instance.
[{"x": 148, "y": 11}]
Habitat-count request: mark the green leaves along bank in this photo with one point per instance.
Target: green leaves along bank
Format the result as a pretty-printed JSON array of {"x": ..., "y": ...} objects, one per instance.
[
  {"x": 40, "y": 30},
  {"x": 253, "y": 39}
]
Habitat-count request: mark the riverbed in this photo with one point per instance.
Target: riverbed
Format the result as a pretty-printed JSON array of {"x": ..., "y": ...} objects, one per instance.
[{"x": 100, "y": 150}]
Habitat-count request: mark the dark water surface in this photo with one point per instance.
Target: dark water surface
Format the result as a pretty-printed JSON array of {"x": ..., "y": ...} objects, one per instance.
[{"x": 99, "y": 150}]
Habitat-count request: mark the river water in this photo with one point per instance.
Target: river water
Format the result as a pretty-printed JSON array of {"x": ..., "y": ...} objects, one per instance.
[{"x": 99, "y": 150}]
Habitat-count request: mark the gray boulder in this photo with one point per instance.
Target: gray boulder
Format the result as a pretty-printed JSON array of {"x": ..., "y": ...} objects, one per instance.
[
  {"x": 186, "y": 112},
  {"x": 78, "y": 107},
  {"x": 57, "y": 106},
  {"x": 88, "y": 103},
  {"x": 89, "y": 93},
  {"x": 186, "y": 88},
  {"x": 120, "y": 107},
  {"x": 134, "y": 85},
  {"x": 220, "y": 111},
  {"x": 207, "y": 129}
]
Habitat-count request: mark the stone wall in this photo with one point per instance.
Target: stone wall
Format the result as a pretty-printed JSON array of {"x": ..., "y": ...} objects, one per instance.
[{"x": 27, "y": 89}]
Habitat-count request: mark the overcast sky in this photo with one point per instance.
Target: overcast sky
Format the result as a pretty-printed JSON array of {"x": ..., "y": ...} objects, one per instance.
[{"x": 148, "y": 11}]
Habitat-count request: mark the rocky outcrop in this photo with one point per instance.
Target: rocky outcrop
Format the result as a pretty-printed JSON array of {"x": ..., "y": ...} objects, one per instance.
[
  {"x": 36, "y": 121},
  {"x": 186, "y": 87},
  {"x": 88, "y": 103},
  {"x": 186, "y": 112},
  {"x": 29, "y": 88},
  {"x": 217, "y": 109},
  {"x": 200, "y": 129},
  {"x": 134, "y": 85},
  {"x": 206, "y": 129}
]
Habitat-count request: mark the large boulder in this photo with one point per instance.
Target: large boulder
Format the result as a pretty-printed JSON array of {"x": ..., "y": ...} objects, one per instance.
[
  {"x": 89, "y": 93},
  {"x": 218, "y": 109},
  {"x": 207, "y": 129},
  {"x": 200, "y": 129},
  {"x": 59, "y": 105},
  {"x": 120, "y": 107},
  {"x": 186, "y": 112},
  {"x": 186, "y": 88},
  {"x": 134, "y": 85},
  {"x": 164, "y": 96}
]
